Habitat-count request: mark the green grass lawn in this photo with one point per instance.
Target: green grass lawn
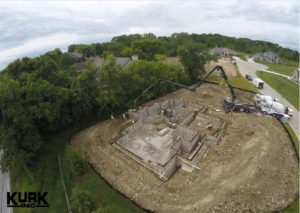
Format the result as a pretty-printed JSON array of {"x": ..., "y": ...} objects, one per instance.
[
  {"x": 48, "y": 179},
  {"x": 285, "y": 67},
  {"x": 294, "y": 208},
  {"x": 286, "y": 88},
  {"x": 293, "y": 135}
]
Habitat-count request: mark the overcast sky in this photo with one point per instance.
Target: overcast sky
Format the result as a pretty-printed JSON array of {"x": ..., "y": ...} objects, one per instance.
[{"x": 29, "y": 28}]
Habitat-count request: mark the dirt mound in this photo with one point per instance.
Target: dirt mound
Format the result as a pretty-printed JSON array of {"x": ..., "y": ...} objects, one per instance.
[
  {"x": 229, "y": 68},
  {"x": 254, "y": 167}
]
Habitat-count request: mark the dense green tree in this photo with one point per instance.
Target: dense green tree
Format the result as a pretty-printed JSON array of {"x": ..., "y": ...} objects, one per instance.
[
  {"x": 19, "y": 138},
  {"x": 81, "y": 200},
  {"x": 192, "y": 57},
  {"x": 77, "y": 164},
  {"x": 107, "y": 209},
  {"x": 181, "y": 39},
  {"x": 66, "y": 61},
  {"x": 111, "y": 96},
  {"x": 147, "y": 48},
  {"x": 114, "y": 48}
]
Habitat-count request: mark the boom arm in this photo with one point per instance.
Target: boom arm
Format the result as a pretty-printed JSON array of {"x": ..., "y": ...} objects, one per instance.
[
  {"x": 159, "y": 81},
  {"x": 224, "y": 76},
  {"x": 193, "y": 87}
]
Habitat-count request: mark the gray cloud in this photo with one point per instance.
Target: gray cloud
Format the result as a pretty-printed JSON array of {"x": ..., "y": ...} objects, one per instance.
[{"x": 28, "y": 28}]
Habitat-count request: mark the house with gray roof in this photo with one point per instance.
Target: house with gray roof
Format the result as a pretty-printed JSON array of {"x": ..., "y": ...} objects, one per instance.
[
  {"x": 224, "y": 52},
  {"x": 268, "y": 56},
  {"x": 76, "y": 55},
  {"x": 122, "y": 61},
  {"x": 98, "y": 61}
]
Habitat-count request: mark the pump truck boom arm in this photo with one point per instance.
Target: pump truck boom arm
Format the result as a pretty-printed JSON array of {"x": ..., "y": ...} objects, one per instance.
[
  {"x": 159, "y": 81},
  {"x": 229, "y": 106},
  {"x": 224, "y": 76}
]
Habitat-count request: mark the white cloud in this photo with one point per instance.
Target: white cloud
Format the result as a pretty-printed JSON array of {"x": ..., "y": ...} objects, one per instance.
[
  {"x": 37, "y": 26},
  {"x": 47, "y": 43}
]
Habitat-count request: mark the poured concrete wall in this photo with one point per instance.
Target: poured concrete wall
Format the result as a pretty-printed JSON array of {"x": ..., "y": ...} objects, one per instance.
[
  {"x": 143, "y": 113},
  {"x": 154, "y": 110},
  {"x": 167, "y": 170},
  {"x": 188, "y": 138},
  {"x": 188, "y": 118},
  {"x": 185, "y": 133},
  {"x": 133, "y": 126},
  {"x": 171, "y": 103},
  {"x": 164, "y": 153}
]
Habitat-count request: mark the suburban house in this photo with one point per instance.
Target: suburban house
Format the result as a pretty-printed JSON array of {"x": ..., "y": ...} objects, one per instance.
[
  {"x": 268, "y": 56},
  {"x": 222, "y": 51},
  {"x": 76, "y": 55},
  {"x": 97, "y": 61}
]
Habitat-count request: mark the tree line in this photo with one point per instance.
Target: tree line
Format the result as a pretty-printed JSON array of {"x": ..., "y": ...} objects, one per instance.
[
  {"x": 42, "y": 96},
  {"x": 147, "y": 45}
]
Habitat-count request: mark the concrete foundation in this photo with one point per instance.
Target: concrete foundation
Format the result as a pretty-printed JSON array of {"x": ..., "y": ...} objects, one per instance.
[{"x": 167, "y": 136}]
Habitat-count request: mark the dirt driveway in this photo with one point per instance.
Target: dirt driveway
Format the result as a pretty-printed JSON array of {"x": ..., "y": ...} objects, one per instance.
[
  {"x": 254, "y": 167},
  {"x": 229, "y": 68}
]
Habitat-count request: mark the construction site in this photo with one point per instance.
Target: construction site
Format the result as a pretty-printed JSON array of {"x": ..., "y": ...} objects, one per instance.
[
  {"x": 183, "y": 153},
  {"x": 166, "y": 136}
]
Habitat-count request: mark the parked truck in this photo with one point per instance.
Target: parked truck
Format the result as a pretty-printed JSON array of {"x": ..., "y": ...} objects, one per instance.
[
  {"x": 258, "y": 83},
  {"x": 271, "y": 106}
]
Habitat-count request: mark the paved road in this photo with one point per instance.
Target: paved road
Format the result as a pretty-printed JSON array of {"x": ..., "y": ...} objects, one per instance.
[
  {"x": 250, "y": 67},
  {"x": 4, "y": 187}
]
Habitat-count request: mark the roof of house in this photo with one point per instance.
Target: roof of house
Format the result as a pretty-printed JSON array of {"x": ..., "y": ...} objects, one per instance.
[
  {"x": 75, "y": 54},
  {"x": 217, "y": 50},
  {"x": 98, "y": 61},
  {"x": 267, "y": 55},
  {"x": 122, "y": 61}
]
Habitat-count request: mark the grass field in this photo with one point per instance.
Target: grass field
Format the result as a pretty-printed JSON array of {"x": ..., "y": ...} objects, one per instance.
[
  {"x": 286, "y": 88},
  {"x": 294, "y": 208},
  {"x": 285, "y": 67},
  {"x": 48, "y": 179},
  {"x": 293, "y": 135}
]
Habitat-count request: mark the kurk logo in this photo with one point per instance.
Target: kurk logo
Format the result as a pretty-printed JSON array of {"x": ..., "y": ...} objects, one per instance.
[{"x": 27, "y": 199}]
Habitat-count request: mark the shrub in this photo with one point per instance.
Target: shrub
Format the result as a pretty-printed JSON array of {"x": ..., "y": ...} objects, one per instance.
[
  {"x": 77, "y": 164},
  {"x": 81, "y": 200}
]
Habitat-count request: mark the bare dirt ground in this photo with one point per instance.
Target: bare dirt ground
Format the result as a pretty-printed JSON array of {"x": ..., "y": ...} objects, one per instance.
[
  {"x": 254, "y": 168},
  {"x": 228, "y": 67}
]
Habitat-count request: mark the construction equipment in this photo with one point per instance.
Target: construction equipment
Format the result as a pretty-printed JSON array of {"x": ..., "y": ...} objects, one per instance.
[
  {"x": 229, "y": 105},
  {"x": 159, "y": 81},
  {"x": 270, "y": 106},
  {"x": 258, "y": 83}
]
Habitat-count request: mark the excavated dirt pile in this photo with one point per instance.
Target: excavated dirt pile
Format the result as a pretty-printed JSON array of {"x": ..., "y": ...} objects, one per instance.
[{"x": 253, "y": 168}]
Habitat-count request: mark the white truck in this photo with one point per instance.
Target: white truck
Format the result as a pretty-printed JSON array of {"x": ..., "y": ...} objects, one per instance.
[
  {"x": 258, "y": 83},
  {"x": 271, "y": 106}
]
